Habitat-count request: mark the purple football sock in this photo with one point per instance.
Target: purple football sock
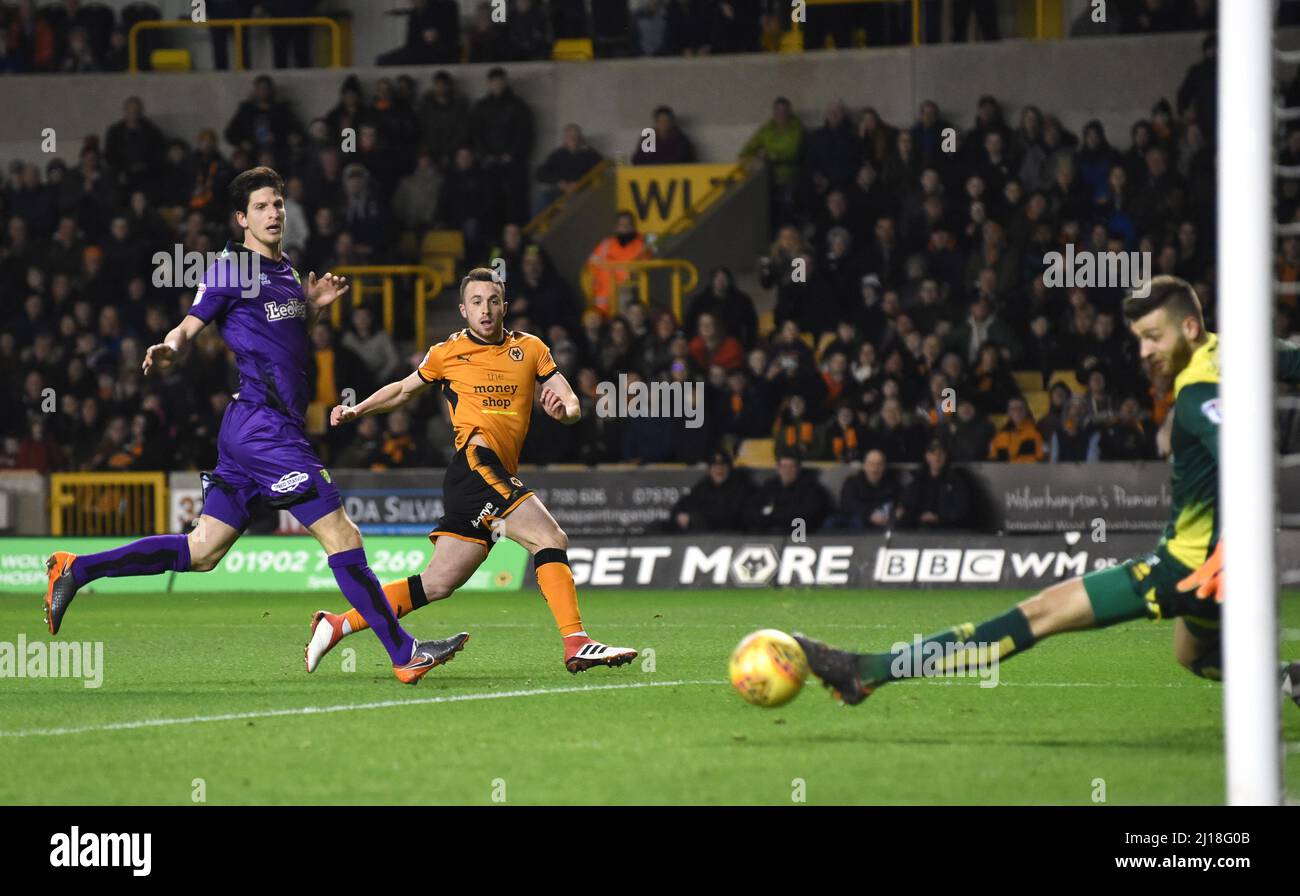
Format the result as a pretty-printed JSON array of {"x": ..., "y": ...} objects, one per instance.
[
  {"x": 363, "y": 591},
  {"x": 146, "y": 557}
]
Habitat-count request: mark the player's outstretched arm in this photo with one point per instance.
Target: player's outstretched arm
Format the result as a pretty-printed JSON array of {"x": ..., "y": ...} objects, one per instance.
[
  {"x": 161, "y": 356},
  {"x": 560, "y": 401},
  {"x": 385, "y": 399}
]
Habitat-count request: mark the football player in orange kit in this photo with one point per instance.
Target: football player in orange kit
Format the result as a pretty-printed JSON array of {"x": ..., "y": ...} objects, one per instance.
[{"x": 489, "y": 376}]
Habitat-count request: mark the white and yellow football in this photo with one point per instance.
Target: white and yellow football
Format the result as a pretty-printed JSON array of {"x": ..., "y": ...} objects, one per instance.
[{"x": 768, "y": 668}]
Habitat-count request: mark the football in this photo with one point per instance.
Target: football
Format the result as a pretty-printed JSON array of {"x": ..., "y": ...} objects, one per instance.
[{"x": 768, "y": 668}]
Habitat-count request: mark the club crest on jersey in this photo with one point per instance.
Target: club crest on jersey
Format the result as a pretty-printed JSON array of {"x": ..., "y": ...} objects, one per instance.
[
  {"x": 282, "y": 311},
  {"x": 516, "y": 353},
  {"x": 1213, "y": 412},
  {"x": 289, "y": 481}
]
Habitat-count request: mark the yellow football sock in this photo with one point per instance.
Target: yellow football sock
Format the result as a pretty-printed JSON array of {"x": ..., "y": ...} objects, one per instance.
[
  {"x": 556, "y": 581},
  {"x": 404, "y": 595}
]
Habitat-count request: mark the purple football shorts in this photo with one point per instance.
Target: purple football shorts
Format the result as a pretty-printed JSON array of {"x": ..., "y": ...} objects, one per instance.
[{"x": 263, "y": 456}]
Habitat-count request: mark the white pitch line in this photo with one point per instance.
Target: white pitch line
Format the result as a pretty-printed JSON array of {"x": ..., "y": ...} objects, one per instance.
[
  {"x": 499, "y": 695},
  {"x": 345, "y": 707}
]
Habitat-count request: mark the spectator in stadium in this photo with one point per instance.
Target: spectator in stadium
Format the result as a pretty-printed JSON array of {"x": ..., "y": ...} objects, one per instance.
[
  {"x": 1057, "y": 398},
  {"x": 625, "y": 244},
  {"x": 1128, "y": 437},
  {"x": 30, "y": 45},
  {"x": 290, "y": 40},
  {"x": 895, "y": 433},
  {"x": 713, "y": 345},
  {"x": 794, "y": 430},
  {"x": 488, "y": 40},
  {"x": 1076, "y": 438},
  {"x": 734, "y": 308},
  {"x": 991, "y": 384},
  {"x": 461, "y": 205},
  {"x": 432, "y": 35},
  {"x": 981, "y": 328},
  {"x": 833, "y": 153},
  {"x": 350, "y": 111},
  {"x": 362, "y": 451},
  {"x": 1018, "y": 441},
  {"x": 363, "y": 213},
  {"x": 566, "y": 166},
  {"x": 39, "y": 450},
  {"x": 262, "y": 122},
  {"x": 779, "y": 144},
  {"x": 715, "y": 502},
  {"x": 415, "y": 201},
  {"x": 501, "y": 126},
  {"x": 529, "y": 30},
  {"x": 337, "y": 368},
  {"x": 1198, "y": 94},
  {"x": 937, "y": 496},
  {"x": 668, "y": 145},
  {"x": 840, "y": 438},
  {"x": 792, "y": 495},
  {"x": 966, "y": 434},
  {"x": 541, "y": 295},
  {"x": 868, "y": 497},
  {"x": 651, "y": 29},
  {"x": 444, "y": 120},
  {"x": 374, "y": 346}
]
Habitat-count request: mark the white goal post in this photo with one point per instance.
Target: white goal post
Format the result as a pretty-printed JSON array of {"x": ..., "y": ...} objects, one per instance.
[{"x": 1247, "y": 466}]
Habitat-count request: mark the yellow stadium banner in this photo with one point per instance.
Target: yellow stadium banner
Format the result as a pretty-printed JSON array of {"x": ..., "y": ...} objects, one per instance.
[{"x": 659, "y": 195}]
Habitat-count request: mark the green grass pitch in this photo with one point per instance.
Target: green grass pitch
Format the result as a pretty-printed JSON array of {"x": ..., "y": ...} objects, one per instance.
[{"x": 1108, "y": 705}]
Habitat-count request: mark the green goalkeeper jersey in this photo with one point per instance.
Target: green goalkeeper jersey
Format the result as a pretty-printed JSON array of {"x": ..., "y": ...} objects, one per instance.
[{"x": 1193, "y": 527}]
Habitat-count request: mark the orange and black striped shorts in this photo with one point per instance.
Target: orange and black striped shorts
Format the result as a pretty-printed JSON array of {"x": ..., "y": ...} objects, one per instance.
[{"x": 476, "y": 490}]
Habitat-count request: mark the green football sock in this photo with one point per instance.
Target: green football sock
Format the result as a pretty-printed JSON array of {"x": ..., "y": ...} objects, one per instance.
[{"x": 991, "y": 641}]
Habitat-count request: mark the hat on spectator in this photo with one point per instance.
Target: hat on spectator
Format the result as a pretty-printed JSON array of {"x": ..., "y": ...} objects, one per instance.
[
  {"x": 720, "y": 457},
  {"x": 871, "y": 280}
]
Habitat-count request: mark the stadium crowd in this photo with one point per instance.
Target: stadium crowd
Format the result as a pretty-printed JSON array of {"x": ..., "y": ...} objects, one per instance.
[
  {"x": 72, "y": 36},
  {"x": 908, "y": 282}
]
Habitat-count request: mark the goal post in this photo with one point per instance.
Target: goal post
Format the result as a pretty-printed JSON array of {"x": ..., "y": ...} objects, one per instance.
[{"x": 1247, "y": 468}]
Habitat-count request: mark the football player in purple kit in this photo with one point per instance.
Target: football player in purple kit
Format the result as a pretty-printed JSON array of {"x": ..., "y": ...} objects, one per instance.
[{"x": 264, "y": 311}]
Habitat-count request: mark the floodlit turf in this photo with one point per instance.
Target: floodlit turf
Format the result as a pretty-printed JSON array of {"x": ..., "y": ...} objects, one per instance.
[{"x": 1109, "y": 705}]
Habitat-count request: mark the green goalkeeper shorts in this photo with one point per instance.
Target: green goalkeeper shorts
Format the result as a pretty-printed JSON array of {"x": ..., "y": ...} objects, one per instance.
[{"x": 1148, "y": 586}]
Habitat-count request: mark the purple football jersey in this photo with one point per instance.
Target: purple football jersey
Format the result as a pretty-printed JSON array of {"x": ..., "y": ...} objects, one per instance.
[{"x": 261, "y": 310}]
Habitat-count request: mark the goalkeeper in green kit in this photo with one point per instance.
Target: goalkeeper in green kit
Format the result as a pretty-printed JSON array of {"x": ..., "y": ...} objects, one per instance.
[{"x": 1179, "y": 580}]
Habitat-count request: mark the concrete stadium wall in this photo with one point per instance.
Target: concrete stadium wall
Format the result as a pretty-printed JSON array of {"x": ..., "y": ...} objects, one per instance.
[{"x": 720, "y": 100}]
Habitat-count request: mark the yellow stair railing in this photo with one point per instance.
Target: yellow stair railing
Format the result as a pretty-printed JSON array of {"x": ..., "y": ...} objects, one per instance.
[
  {"x": 238, "y": 26},
  {"x": 108, "y": 503},
  {"x": 428, "y": 283},
  {"x": 684, "y": 277},
  {"x": 542, "y": 221}
]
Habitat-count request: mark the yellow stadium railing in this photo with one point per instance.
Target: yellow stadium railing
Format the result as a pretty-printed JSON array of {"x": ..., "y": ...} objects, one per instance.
[
  {"x": 539, "y": 224},
  {"x": 684, "y": 277},
  {"x": 428, "y": 283},
  {"x": 1042, "y": 15},
  {"x": 238, "y": 26},
  {"x": 916, "y": 12},
  {"x": 108, "y": 503}
]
